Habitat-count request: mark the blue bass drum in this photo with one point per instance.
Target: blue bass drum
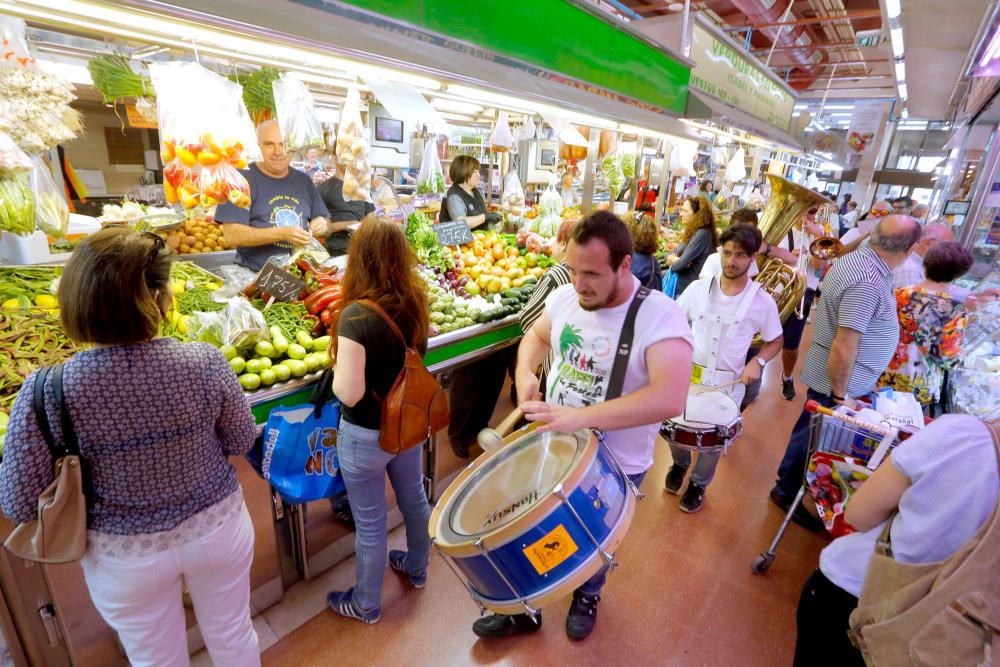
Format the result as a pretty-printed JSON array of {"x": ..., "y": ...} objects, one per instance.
[{"x": 527, "y": 524}]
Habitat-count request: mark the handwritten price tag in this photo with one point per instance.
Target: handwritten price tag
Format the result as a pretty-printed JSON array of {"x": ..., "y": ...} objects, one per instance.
[
  {"x": 279, "y": 283},
  {"x": 455, "y": 232}
]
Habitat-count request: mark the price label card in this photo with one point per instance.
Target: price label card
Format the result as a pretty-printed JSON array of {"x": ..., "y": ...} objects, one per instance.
[
  {"x": 455, "y": 232},
  {"x": 279, "y": 283}
]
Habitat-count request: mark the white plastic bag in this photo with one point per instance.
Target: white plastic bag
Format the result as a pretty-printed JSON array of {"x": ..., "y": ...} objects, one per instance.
[
  {"x": 512, "y": 198},
  {"x": 525, "y": 131},
  {"x": 12, "y": 158},
  {"x": 51, "y": 209},
  {"x": 353, "y": 148},
  {"x": 501, "y": 139},
  {"x": 549, "y": 212},
  {"x": 430, "y": 180},
  {"x": 204, "y": 125},
  {"x": 300, "y": 127},
  {"x": 736, "y": 170}
]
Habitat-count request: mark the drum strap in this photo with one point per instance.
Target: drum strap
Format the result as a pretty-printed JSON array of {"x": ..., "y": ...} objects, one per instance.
[{"x": 620, "y": 366}]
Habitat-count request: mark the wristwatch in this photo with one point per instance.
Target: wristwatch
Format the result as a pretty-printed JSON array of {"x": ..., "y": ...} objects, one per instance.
[{"x": 760, "y": 361}]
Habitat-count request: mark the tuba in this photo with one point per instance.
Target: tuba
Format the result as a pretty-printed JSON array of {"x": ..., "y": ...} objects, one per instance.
[
  {"x": 829, "y": 246},
  {"x": 787, "y": 203}
]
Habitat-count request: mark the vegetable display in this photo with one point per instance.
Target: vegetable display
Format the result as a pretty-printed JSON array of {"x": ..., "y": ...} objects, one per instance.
[
  {"x": 423, "y": 240},
  {"x": 28, "y": 340},
  {"x": 196, "y": 235},
  {"x": 115, "y": 79}
]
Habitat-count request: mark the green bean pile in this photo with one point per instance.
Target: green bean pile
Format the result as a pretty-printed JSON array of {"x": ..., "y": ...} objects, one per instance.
[
  {"x": 197, "y": 300},
  {"x": 289, "y": 317},
  {"x": 28, "y": 341}
]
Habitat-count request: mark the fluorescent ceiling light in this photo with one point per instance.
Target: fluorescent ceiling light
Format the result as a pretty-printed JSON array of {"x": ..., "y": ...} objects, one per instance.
[
  {"x": 77, "y": 74},
  {"x": 149, "y": 28},
  {"x": 841, "y": 115},
  {"x": 456, "y": 106},
  {"x": 892, "y": 9},
  {"x": 527, "y": 106},
  {"x": 839, "y": 107},
  {"x": 902, "y": 91},
  {"x": 447, "y": 115},
  {"x": 901, "y": 72},
  {"x": 646, "y": 132},
  {"x": 896, "y": 36}
]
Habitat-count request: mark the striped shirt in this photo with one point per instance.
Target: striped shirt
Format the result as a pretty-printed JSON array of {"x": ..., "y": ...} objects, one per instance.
[
  {"x": 555, "y": 277},
  {"x": 857, "y": 294}
]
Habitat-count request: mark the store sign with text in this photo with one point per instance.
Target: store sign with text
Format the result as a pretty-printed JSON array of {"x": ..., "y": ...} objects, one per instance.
[{"x": 722, "y": 72}]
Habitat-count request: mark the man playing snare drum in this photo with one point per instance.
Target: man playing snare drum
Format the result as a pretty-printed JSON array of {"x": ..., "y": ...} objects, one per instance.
[
  {"x": 725, "y": 313},
  {"x": 582, "y": 325}
]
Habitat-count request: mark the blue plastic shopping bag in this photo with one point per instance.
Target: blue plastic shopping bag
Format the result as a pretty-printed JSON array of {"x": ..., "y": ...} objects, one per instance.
[
  {"x": 670, "y": 283},
  {"x": 299, "y": 449}
]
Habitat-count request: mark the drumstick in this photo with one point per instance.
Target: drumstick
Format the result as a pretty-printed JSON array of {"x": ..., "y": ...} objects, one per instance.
[{"x": 491, "y": 439}]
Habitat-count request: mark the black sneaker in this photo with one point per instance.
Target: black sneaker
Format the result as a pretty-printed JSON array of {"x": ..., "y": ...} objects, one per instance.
[
  {"x": 788, "y": 389},
  {"x": 802, "y": 517},
  {"x": 341, "y": 508},
  {"x": 693, "y": 498},
  {"x": 497, "y": 626},
  {"x": 582, "y": 615},
  {"x": 779, "y": 500},
  {"x": 675, "y": 478}
]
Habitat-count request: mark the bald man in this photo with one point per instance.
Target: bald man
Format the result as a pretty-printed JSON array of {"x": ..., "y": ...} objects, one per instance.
[
  {"x": 285, "y": 211},
  {"x": 855, "y": 236},
  {"x": 855, "y": 333},
  {"x": 911, "y": 271}
]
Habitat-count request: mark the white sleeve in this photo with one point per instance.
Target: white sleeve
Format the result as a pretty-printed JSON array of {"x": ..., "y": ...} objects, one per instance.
[
  {"x": 712, "y": 266},
  {"x": 665, "y": 319},
  {"x": 771, "y": 325}
]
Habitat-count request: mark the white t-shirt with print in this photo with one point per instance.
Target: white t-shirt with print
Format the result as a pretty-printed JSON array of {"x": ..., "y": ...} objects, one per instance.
[
  {"x": 584, "y": 344},
  {"x": 761, "y": 317},
  {"x": 812, "y": 274},
  {"x": 712, "y": 268},
  {"x": 952, "y": 466}
]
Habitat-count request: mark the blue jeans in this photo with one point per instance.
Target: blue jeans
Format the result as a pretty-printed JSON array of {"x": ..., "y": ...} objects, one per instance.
[
  {"x": 363, "y": 465},
  {"x": 704, "y": 468},
  {"x": 793, "y": 465},
  {"x": 594, "y": 585}
]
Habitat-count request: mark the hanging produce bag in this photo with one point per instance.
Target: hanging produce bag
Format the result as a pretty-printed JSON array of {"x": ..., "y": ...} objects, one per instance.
[
  {"x": 299, "y": 449},
  {"x": 204, "y": 126},
  {"x": 300, "y": 126},
  {"x": 430, "y": 180},
  {"x": 736, "y": 169},
  {"x": 549, "y": 212},
  {"x": 51, "y": 209},
  {"x": 501, "y": 139},
  {"x": 353, "y": 149},
  {"x": 17, "y": 204},
  {"x": 512, "y": 198},
  {"x": 611, "y": 167},
  {"x": 526, "y": 131},
  {"x": 12, "y": 158}
]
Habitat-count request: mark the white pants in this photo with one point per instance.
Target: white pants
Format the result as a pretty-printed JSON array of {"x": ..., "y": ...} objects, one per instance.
[{"x": 140, "y": 598}]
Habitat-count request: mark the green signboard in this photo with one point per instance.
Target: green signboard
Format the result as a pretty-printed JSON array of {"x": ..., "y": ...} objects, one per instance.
[
  {"x": 552, "y": 39},
  {"x": 724, "y": 73}
]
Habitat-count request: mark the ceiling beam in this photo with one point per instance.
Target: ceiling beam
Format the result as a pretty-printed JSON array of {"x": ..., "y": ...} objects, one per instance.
[
  {"x": 847, "y": 16},
  {"x": 811, "y": 47}
]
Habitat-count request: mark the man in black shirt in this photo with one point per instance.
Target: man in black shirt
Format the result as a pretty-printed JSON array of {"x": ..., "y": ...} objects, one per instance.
[{"x": 342, "y": 213}]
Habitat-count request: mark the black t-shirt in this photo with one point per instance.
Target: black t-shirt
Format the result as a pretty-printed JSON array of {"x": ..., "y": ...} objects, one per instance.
[
  {"x": 341, "y": 210},
  {"x": 384, "y": 355}
]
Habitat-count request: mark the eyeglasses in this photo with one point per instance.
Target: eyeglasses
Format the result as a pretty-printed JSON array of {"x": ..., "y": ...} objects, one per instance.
[{"x": 879, "y": 213}]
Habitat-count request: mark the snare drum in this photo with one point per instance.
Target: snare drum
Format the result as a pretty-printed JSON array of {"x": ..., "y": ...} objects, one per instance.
[
  {"x": 710, "y": 421},
  {"x": 527, "y": 524}
]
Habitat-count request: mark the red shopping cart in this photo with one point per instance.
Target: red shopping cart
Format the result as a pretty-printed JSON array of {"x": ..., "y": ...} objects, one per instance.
[{"x": 843, "y": 452}]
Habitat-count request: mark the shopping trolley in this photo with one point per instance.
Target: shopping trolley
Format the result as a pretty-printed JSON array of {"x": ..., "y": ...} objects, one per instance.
[{"x": 843, "y": 452}]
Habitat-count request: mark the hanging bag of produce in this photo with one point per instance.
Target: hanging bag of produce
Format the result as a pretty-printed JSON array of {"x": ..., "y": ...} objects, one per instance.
[
  {"x": 512, "y": 199},
  {"x": 17, "y": 201},
  {"x": 12, "y": 158},
  {"x": 204, "y": 126},
  {"x": 430, "y": 180},
  {"x": 299, "y": 450},
  {"x": 501, "y": 138},
  {"x": 300, "y": 126},
  {"x": 51, "y": 209},
  {"x": 353, "y": 149},
  {"x": 550, "y": 208}
]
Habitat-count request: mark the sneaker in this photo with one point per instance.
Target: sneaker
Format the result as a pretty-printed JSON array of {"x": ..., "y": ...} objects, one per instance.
[
  {"x": 342, "y": 602},
  {"x": 396, "y": 558},
  {"x": 341, "y": 508},
  {"x": 693, "y": 498},
  {"x": 460, "y": 448},
  {"x": 788, "y": 389},
  {"x": 675, "y": 478},
  {"x": 779, "y": 500},
  {"x": 497, "y": 626},
  {"x": 582, "y": 615}
]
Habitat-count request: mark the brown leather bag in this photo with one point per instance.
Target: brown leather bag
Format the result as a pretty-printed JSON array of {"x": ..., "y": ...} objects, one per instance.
[
  {"x": 416, "y": 406},
  {"x": 944, "y": 614},
  {"x": 59, "y": 534}
]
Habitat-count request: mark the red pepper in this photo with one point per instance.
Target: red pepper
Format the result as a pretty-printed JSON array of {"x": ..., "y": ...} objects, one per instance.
[
  {"x": 326, "y": 317},
  {"x": 323, "y": 297}
]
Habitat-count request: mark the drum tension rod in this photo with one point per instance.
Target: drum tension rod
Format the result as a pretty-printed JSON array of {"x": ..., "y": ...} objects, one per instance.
[
  {"x": 531, "y": 611},
  {"x": 608, "y": 559},
  {"x": 635, "y": 490},
  {"x": 458, "y": 575}
]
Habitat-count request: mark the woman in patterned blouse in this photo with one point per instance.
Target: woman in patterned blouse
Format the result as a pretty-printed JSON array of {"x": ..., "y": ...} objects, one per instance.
[
  {"x": 931, "y": 325},
  {"x": 156, "y": 420}
]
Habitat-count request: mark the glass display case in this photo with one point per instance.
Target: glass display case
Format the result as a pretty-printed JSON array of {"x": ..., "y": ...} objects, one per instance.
[{"x": 974, "y": 387}]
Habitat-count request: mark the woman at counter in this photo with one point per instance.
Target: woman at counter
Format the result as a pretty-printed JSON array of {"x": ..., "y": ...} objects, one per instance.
[
  {"x": 156, "y": 420},
  {"x": 369, "y": 356},
  {"x": 699, "y": 240},
  {"x": 464, "y": 200}
]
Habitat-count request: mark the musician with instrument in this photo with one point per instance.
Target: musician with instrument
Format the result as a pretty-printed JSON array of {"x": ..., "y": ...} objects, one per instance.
[
  {"x": 600, "y": 380},
  {"x": 725, "y": 314}
]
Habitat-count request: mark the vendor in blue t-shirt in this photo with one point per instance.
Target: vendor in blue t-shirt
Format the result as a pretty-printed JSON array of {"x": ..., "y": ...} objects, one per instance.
[{"x": 286, "y": 209}]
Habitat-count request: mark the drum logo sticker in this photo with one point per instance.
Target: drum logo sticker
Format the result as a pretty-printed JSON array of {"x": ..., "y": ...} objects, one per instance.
[{"x": 551, "y": 550}]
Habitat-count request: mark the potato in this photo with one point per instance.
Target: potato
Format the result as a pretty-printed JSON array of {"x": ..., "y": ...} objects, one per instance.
[
  {"x": 198, "y": 245},
  {"x": 184, "y": 248}
]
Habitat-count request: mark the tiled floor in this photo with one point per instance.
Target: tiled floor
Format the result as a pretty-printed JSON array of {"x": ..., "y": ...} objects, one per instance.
[{"x": 684, "y": 594}]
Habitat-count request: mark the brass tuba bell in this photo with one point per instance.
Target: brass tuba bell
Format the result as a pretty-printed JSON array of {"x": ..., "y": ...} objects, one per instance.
[
  {"x": 829, "y": 246},
  {"x": 787, "y": 203}
]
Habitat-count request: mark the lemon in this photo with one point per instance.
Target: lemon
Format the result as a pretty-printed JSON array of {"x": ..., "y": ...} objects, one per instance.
[
  {"x": 178, "y": 286},
  {"x": 11, "y": 304},
  {"x": 46, "y": 301},
  {"x": 182, "y": 324},
  {"x": 212, "y": 286},
  {"x": 173, "y": 316}
]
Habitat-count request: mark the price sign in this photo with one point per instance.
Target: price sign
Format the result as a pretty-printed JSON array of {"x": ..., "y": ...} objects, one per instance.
[
  {"x": 455, "y": 232},
  {"x": 279, "y": 283}
]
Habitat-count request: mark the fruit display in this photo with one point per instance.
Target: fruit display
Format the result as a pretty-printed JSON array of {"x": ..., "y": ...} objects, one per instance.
[
  {"x": 669, "y": 239},
  {"x": 196, "y": 235},
  {"x": 453, "y": 308},
  {"x": 494, "y": 263}
]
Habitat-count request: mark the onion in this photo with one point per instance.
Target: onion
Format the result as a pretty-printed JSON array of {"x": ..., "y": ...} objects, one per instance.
[{"x": 463, "y": 280}]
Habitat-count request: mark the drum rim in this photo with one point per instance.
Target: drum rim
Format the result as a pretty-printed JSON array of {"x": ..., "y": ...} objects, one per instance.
[
  {"x": 710, "y": 427},
  {"x": 510, "y": 531},
  {"x": 558, "y": 590}
]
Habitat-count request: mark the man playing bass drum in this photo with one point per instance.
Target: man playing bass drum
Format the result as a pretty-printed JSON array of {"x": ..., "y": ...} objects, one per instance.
[{"x": 583, "y": 325}]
